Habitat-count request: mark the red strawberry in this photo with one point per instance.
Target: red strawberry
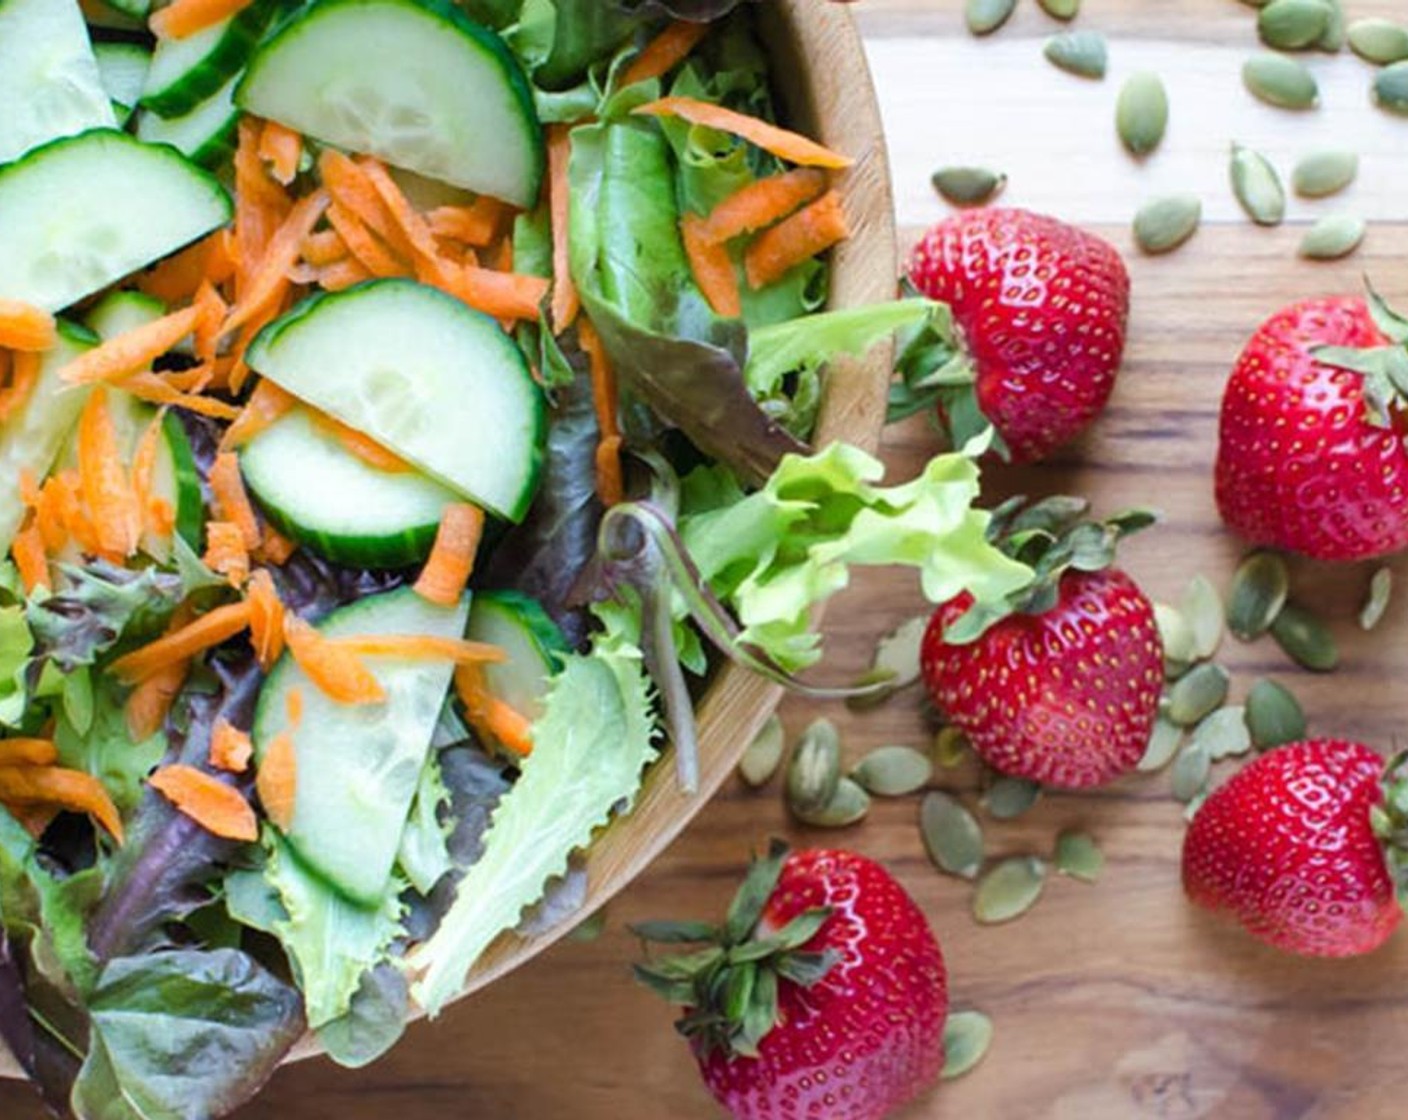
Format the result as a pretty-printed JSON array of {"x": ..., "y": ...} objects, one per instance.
[
  {"x": 1042, "y": 308},
  {"x": 1291, "y": 848},
  {"x": 1311, "y": 456},
  {"x": 1063, "y": 689},
  {"x": 823, "y": 997}
]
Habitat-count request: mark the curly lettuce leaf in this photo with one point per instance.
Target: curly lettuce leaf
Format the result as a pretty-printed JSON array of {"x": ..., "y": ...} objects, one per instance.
[
  {"x": 101, "y": 744},
  {"x": 97, "y": 606},
  {"x": 591, "y": 745},
  {"x": 424, "y": 855}
]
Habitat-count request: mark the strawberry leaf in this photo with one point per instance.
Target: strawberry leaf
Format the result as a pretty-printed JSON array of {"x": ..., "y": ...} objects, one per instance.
[{"x": 1389, "y": 321}]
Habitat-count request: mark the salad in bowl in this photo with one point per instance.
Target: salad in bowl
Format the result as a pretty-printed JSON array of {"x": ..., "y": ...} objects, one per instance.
[{"x": 406, "y": 408}]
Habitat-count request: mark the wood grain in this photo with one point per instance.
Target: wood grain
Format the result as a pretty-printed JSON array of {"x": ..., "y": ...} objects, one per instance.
[{"x": 1112, "y": 1002}]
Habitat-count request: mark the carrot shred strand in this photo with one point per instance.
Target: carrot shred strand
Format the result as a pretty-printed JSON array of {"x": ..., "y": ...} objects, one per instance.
[
  {"x": 423, "y": 647},
  {"x": 24, "y": 376},
  {"x": 267, "y": 403},
  {"x": 266, "y": 618},
  {"x": 712, "y": 267},
  {"x": 26, "y": 328},
  {"x": 806, "y": 233},
  {"x": 230, "y": 748},
  {"x": 610, "y": 482},
  {"x": 337, "y": 671},
  {"x": 108, "y": 496},
  {"x": 281, "y": 148},
  {"x": 215, "y": 806},
  {"x": 790, "y": 146},
  {"x": 663, "y": 53},
  {"x": 151, "y": 701},
  {"x": 231, "y": 499},
  {"x": 451, "y": 563},
  {"x": 489, "y": 715},
  {"x": 763, "y": 202},
  {"x": 132, "y": 351},
  {"x": 28, "y": 551},
  {"x": 209, "y": 630},
  {"x": 276, "y": 780},
  {"x": 66, "y": 789},
  {"x": 226, "y": 552},
  {"x": 565, "y": 301},
  {"x": 28, "y": 752}
]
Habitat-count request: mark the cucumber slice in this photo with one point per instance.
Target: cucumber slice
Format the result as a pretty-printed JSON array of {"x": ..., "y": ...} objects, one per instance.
[
  {"x": 437, "y": 382},
  {"x": 518, "y": 624},
  {"x": 359, "y": 766},
  {"x": 80, "y": 213},
  {"x": 33, "y": 437},
  {"x": 414, "y": 82},
  {"x": 324, "y": 497},
  {"x": 206, "y": 135},
  {"x": 186, "y": 72},
  {"x": 119, "y": 312},
  {"x": 123, "y": 69},
  {"x": 49, "y": 83}
]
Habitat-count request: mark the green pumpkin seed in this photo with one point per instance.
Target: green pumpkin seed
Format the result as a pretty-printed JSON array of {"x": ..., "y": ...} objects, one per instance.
[
  {"x": 1259, "y": 592},
  {"x": 967, "y": 1036},
  {"x": 952, "y": 836},
  {"x": 1201, "y": 606},
  {"x": 589, "y": 930},
  {"x": 1332, "y": 237},
  {"x": 1305, "y": 639},
  {"x": 1257, "y": 186},
  {"x": 1274, "y": 716},
  {"x": 1198, "y": 694},
  {"x": 1280, "y": 81},
  {"x": 764, "y": 754},
  {"x": 1322, "y": 174},
  {"x": 968, "y": 186},
  {"x": 870, "y": 697},
  {"x": 1175, "y": 633},
  {"x": 1380, "y": 41},
  {"x": 951, "y": 748},
  {"x": 1009, "y": 890},
  {"x": 1141, "y": 115},
  {"x": 1078, "y": 856},
  {"x": 1060, "y": 9},
  {"x": 1391, "y": 88},
  {"x": 1164, "y": 742},
  {"x": 1333, "y": 40},
  {"x": 1190, "y": 772},
  {"x": 1290, "y": 25},
  {"x": 1376, "y": 604},
  {"x": 1223, "y": 734},
  {"x": 815, "y": 770},
  {"x": 986, "y": 16},
  {"x": 1008, "y": 798},
  {"x": 898, "y": 651},
  {"x": 893, "y": 771},
  {"x": 1166, "y": 223},
  {"x": 848, "y": 805},
  {"x": 1083, "y": 53}
]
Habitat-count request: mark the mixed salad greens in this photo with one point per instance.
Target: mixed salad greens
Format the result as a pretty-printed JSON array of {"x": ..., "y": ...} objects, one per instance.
[{"x": 405, "y": 406}]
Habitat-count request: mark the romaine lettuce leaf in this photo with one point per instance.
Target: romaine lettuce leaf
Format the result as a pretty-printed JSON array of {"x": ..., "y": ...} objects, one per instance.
[{"x": 590, "y": 748}]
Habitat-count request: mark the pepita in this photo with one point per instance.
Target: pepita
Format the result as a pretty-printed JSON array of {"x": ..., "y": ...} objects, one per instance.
[
  {"x": 898, "y": 651},
  {"x": 1009, "y": 890},
  {"x": 1166, "y": 223},
  {"x": 1083, "y": 53},
  {"x": 968, "y": 186},
  {"x": 1333, "y": 39},
  {"x": 815, "y": 769},
  {"x": 986, "y": 16},
  {"x": 1141, "y": 116},
  {"x": 1321, "y": 174},
  {"x": 868, "y": 697},
  {"x": 1274, "y": 716},
  {"x": 1305, "y": 639},
  {"x": 952, "y": 836},
  {"x": 1190, "y": 772},
  {"x": 1280, "y": 81},
  {"x": 893, "y": 771},
  {"x": 1376, "y": 604},
  {"x": 1008, "y": 798},
  {"x": 760, "y": 761},
  {"x": 1259, "y": 592},
  {"x": 1223, "y": 734},
  {"x": 1257, "y": 186},
  {"x": 1078, "y": 856},
  {"x": 1391, "y": 88},
  {"x": 1060, "y": 9},
  {"x": 847, "y": 806},
  {"x": 1332, "y": 237},
  {"x": 1291, "y": 25},
  {"x": 1164, "y": 742},
  {"x": 1175, "y": 633},
  {"x": 1202, "y": 691},
  {"x": 967, "y": 1036},
  {"x": 951, "y": 748},
  {"x": 1201, "y": 606},
  {"x": 1380, "y": 41}
]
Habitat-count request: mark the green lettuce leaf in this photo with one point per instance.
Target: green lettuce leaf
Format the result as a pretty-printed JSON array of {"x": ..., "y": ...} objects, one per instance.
[
  {"x": 424, "y": 855},
  {"x": 104, "y": 748},
  {"x": 591, "y": 746},
  {"x": 373, "y": 1024}
]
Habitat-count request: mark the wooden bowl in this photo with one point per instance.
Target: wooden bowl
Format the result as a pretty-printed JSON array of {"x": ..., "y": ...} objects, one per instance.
[{"x": 820, "y": 72}]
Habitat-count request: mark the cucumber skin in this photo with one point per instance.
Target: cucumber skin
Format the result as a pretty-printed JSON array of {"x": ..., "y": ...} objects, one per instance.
[
  {"x": 379, "y": 554},
  {"x": 190, "y": 504},
  {"x": 233, "y": 50},
  {"x": 534, "y": 616}
]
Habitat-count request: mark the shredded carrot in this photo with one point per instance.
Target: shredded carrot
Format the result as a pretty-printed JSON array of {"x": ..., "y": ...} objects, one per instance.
[
  {"x": 177, "y": 278},
  {"x": 324, "y": 246},
  {"x": 476, "y": 224},
  {"x": 342, "y": 274},
  {"x": 663, "y": 53},
  {"x": 67, "y": 789},
  {"x": 216, "y": 807},
  {"x": 24, "y": 375},
  {"x": 261, "y": 206},
  {"x": 790, "y": 146},
  {"x": 28, "y": 752},
  {"x": 761, "y": 203},
  {"x": 281, "y": 148},
  {"x": 277, "y": 780},
  {"x": 489, "y": 715},
  {"x": 806, "y": 233},
  {"x": 610, "y": 477},
  {"x": 422, "y": 647},
  {"x": 150, "y": 702},
  {"x": 413, "y": 229},
  {"x": 364, "y": 246},
  {"x": 274, "y": 547},
  {"x": 712, "y": 267},
  {"x": 35, "y": 819},
  {"x": 210, "y": 629},
  {"x": 352, "y": 188},
  {"x": 231, "y": 499},
  {"x": 27, "y": 328},
  {"x": 293, "y": 704},
  {"x": 29, "y": 488},
  {"x": 499, "y": 258},
  {"x": 28, "y": 551},
  {"x": 108, "y": 496},
  {"x": 565, "y": 301},
  {"x": 160, "y": 518},
  {"x": 610, "y": 482},
  {"x": 212, "y": 309},
  {"x": 156, "y": 390},
  {"x": 266, "y": 618},
  {"x": 183, "y": 18},
  {"x": 268, "y": 285},
  {"x": 131, "y": 351},
  {"x": 230, "y": 748},
  {"x": 337, "y": 671},
  {"x": 361, "y": 445},
  {"x": 195, "y": 380},
  {"x": 451, "y": 562},
  {"x": 225, "y": 551},
  {"x": 504, "y": 295},
  {"x": 59, "y": 514},
  {"x": 267, "y": 403}
]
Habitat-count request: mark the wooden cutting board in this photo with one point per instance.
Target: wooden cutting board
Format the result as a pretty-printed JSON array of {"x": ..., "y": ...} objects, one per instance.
[{"x": 1115, "y": 1001}]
